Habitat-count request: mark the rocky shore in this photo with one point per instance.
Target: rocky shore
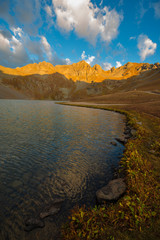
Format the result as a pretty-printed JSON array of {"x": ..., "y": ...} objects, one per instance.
[{"x": 109, "y": 193}]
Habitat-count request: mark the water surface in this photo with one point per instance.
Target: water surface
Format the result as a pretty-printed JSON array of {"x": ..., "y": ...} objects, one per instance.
[{"x": 48, "y": 151}]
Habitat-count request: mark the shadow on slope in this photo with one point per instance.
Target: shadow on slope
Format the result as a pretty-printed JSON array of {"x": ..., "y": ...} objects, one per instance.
[
  {"x": 57, "y": 87},
  {"x": 54, "y": 86}
]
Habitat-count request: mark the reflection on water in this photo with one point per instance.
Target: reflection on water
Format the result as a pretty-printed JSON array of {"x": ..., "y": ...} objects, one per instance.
[{"x": 49, "y": 151}]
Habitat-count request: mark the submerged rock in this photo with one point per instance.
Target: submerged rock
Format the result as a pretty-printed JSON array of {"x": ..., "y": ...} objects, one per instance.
[
  {"x": 112, "y": 191},
  {"x": 113, "y": 143},
  {"x": 51, "y": 209},
  {"x": 48, "y": 210},
  {"x": 121, "y": 140},
  {"x": 16, "y": 184},
  {"x": 32, "y": 223}
]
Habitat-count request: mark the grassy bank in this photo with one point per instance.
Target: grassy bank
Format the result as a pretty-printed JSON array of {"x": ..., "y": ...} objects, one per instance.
[{"x": 136, "y": 215}]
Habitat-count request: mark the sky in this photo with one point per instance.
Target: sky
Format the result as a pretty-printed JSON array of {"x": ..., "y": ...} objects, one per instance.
[{"x": 105, "y": 32}]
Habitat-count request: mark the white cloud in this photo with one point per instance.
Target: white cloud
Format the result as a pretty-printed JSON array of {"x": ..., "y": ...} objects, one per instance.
[
  {"x": 142, "y": 9},
  {"x": 28, "y": 14},
  {"x": 101, "y": 3},
  {"x": 156, "y": 7},
  {"x": 87, "y": 20},
  {"x": 119, "y": 45},
  {"x": 47, "y": 47},
  {"x": 4, "y": 43},
  {"x": 17, "y": 31},
  {"x": 12, "y": 51},
  {"x": 17, "y": 48},
  {"x": 118, "y": 64},
  {"x": 107, "y": 66},
  {"x": 90, "y": 59},
  {"x": 15, "y": 44},
  {"x": 132, "y": 38},
  {"x": 48, "y": 10},
  {"x": 4, "y": 50},
  {"x": 68, "y": 61},
  {"x": 146, "y": 46},
  {"x": 83, "y": 55},
  {"x": 34, "y": 48},
  {"x": 144, "y": 6},
  {"x": 6, "y": 33}
]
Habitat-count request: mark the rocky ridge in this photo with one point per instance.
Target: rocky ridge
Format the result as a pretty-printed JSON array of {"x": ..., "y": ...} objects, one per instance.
[
  {"x": 81, "y": 71},
  {"x": 76, "y": 81}
]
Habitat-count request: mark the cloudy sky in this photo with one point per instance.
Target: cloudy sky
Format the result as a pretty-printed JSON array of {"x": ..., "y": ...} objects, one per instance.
[{"x": 106, "y": 32}]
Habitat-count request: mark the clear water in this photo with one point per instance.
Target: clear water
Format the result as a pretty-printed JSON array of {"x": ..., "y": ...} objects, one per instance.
[{"x": 48, "y": 151}]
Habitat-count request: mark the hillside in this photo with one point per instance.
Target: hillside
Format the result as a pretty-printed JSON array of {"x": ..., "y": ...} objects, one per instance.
[{"x": 78, "y": 81}]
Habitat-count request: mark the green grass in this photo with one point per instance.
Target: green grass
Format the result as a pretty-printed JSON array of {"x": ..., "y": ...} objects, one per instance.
[{"x": 136, "y": 215}]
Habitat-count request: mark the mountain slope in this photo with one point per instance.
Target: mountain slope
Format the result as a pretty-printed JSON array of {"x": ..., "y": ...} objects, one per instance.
[
  {"x": 82, "y": 71},
  {"x": 79, "y": 80},
  {"x": 8, "y": 92}
]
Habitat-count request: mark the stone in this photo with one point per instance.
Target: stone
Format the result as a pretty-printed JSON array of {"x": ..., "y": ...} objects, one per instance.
[
  {"x": 127, "y": 132},
  {"x": 51, "y": 209},
  {"x": 152, "y": 151},
  {"x": 121, "y": 140},
  {"x": 113, "y": 143},
  {"x": 32, "y": 223},
  {"x": 112, "y": 191},
  {"x": 133, "y": 132},
  {"x": 127, "y": 136}
]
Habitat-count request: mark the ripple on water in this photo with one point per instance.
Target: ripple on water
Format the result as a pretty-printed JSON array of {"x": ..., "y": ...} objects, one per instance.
[{"x": 50, "y": 151}]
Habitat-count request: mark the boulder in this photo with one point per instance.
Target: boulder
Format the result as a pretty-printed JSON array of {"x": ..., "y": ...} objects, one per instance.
[
  {"x": 121, "y": 140},
  {"x": 32, "y": 223},
  {"x": 112, "y": 191},
  {"x": 127, "y": 130},
  {"x": 51, "y": 209}
]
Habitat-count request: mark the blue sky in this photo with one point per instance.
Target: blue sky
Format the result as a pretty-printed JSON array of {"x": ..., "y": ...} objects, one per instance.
[{"x": 106, "y": 32}]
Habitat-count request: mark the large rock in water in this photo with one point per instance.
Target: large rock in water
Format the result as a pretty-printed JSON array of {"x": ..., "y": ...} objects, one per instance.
[{"x": 112, "y": 191}]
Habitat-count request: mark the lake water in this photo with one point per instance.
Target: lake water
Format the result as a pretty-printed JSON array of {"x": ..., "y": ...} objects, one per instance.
[{"x": 48, "y": 151}]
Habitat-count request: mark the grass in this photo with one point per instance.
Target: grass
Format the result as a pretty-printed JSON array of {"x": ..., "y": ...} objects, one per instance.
[{"x": 136, "y": 215}]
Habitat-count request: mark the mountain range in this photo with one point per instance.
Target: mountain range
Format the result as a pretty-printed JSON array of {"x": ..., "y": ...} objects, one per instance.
[{"x": 76, "y": 81}]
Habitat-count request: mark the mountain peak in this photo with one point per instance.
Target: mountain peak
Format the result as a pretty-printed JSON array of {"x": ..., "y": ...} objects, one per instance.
[
  {"x": 45, "y": 64},
  {"x": 82, "y": 63},
  {"x": 82, "y": 71},
  {"x": 97, "y": 67}
]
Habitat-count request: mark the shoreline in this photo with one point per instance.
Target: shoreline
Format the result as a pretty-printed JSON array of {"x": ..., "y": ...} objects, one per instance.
[
  {"x": 32, "y": 221},
  {"x": 136, "y": 220}
]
